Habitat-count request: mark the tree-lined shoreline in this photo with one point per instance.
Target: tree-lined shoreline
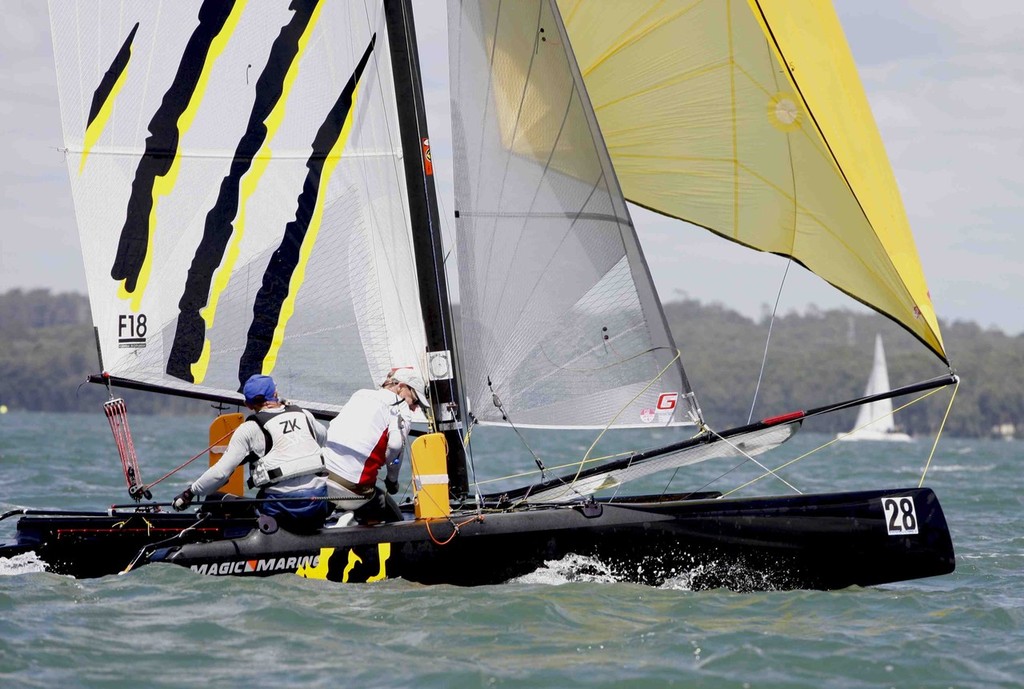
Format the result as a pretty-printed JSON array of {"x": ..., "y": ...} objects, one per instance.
[{"x": 47, "y": 349}]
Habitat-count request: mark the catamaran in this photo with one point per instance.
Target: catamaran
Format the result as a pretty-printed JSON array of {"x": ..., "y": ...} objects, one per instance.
[{"x": 255, "y": 193}]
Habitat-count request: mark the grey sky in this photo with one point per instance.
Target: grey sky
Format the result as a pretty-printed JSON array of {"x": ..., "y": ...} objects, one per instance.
[{"x": 945, "y": 80}]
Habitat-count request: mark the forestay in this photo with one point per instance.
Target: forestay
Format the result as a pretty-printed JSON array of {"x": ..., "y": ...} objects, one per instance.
[
  {"x": 560, "y": 318},
  {"x": 238, "y": 186}
]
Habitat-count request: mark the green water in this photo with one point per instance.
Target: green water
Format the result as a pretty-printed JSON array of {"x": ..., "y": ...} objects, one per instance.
[{"x": 565, "y": 626}]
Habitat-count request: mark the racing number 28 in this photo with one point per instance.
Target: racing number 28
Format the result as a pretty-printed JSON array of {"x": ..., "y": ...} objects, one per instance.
[{"x": 900, "y": 516}]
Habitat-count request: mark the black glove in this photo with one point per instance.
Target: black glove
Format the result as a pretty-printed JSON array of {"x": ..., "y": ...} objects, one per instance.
[
  {"x": 183, "y": 500},
  {"x": 391, "y": 485}
]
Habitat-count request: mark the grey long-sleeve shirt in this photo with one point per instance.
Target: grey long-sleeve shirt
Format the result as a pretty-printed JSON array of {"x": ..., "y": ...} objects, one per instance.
[{"x": 249, "y": 438}]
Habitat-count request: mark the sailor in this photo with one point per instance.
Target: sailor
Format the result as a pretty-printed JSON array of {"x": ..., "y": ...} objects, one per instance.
[
  {"x": 282, "y": 445},
  {"x": 369, "y": 433}
]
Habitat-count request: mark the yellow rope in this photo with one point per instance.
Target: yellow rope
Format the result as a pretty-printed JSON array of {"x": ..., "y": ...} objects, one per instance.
[
  {"x": 835, "y": 440},
  {"x": 619, "y": 413},
  {"x": 769, "y": 472},
  {"x": 939, "y": 434}
]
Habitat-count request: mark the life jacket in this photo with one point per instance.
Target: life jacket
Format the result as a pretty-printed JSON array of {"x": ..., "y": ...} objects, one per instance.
[{"x": 291, "y": 448}]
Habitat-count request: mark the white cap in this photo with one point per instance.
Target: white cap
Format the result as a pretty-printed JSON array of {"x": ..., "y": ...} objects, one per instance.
[{"x": 414, "y": 380}]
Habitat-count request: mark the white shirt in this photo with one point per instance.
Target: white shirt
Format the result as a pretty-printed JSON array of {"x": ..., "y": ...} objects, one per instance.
[{"x": 368, "y": 432}]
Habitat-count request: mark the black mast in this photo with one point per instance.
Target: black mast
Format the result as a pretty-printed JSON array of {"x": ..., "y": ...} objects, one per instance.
[{"x": 426, "y": 234}]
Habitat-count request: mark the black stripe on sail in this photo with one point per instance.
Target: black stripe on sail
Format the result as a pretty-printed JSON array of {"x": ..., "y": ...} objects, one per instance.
[
  {"x": 190, "y": 332},
  {"x": 162, "y": 144},
  {"x": 277, "y": 277},
  {"x": 111, "y": 76}
]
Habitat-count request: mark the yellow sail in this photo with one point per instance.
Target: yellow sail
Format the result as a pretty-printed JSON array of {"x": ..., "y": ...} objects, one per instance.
[{"x": 748, "y": 118}]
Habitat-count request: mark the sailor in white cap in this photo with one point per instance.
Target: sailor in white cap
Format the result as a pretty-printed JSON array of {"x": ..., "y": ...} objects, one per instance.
[{"x": 370, "y": 433}]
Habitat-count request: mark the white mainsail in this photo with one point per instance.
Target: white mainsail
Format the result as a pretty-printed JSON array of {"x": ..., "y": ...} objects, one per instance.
[
  {"x": 874, "y": 419},
  {"x": 561, "y": 322},
  {"x": 238, "y": 186}
]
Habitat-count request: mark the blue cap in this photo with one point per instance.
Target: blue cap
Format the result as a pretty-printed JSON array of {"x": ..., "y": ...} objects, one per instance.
[{"x": 259, "y": 386}]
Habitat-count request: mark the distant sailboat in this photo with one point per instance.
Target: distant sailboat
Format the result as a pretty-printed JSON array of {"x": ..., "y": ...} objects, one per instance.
[{"x": 874, "y": 420}]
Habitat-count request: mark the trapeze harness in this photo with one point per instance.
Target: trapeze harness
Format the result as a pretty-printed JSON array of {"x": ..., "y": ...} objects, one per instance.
[{"x": 291, "y": 448}]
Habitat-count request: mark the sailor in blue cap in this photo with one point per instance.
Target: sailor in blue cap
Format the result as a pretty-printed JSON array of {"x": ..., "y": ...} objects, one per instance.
[{"x": 282, "y": 444}]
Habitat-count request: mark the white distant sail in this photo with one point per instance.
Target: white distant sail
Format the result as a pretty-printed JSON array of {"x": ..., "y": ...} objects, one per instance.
[{"x": 875, "y": 420}]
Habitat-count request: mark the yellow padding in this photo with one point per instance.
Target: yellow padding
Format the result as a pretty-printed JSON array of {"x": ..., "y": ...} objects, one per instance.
[{"x": 430, "y": 476}]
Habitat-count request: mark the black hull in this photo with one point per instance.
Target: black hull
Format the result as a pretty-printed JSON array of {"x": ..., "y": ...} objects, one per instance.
[{"x": 827, "y": 541}]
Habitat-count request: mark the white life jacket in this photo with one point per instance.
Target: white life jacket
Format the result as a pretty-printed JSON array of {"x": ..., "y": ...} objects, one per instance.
[{"x": 291, "y": 448}]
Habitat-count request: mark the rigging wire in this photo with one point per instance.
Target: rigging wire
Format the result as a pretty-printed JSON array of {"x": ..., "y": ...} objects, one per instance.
[
  {"x": 558, "y": 467},
  {"x": 942, "y": 425},
  {"x": 504, "y": 416},
  {"x": 810, "y": 452},
  {"x": 771, "y": 324},
  {"x": 750, "y": 458},
  {"x": 178, "y": 468},
  {"x": 619, "y": 413}
]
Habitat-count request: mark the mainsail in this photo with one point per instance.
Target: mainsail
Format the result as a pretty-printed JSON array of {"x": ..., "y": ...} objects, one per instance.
[
  {"x": 561, "y": 322},
  {"x": 748, "y": 118},
  {"x": 236, "y": 169}
]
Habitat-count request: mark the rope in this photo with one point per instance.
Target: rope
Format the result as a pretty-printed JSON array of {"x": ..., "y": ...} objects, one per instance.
[
  {"x": 117, "y": 416},
  {"x": 194, "y": 458},
  {"x": 942, "y": 425},
  {"x": 619, "y": 413},
  {"x": 145, "y": 550},
  {"x": 523, "y": 474},
  {"x": 496, "y": 401},
  {"x": 750, "y": 458},
  {"x": 771, "y": 324},
  {"x": 455, "y": 528},
  {"x": 820, "y": 447}
]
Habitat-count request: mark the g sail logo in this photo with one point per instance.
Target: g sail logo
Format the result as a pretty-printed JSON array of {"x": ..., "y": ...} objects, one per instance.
[
  {"x": 131, "y": 330},
  {"x": 666, "y": 406}
]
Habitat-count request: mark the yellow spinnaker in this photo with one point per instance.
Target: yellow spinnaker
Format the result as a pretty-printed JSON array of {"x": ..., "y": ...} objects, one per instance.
[{"x": 748, "y": 118}]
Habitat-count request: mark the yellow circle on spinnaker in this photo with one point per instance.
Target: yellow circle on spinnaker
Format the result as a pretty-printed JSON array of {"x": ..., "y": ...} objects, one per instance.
[{"x": 783, "y": 112}]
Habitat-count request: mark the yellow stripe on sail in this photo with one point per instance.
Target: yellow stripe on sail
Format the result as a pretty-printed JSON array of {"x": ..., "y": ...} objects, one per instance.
[
  {"x": 165, "y": 184},
  {"x": 250, "y": 181},
  {"x": 99, "y": 123},
  {"x": 299, "y": 274}
]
